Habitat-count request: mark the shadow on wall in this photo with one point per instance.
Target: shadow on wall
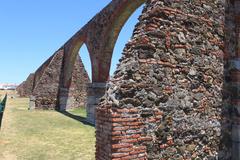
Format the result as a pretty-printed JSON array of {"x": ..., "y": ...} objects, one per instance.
[
  {"x": 231, "y": 91},
  {"x": 62, "y": 104},
  {"x": 74, "y": 92}
]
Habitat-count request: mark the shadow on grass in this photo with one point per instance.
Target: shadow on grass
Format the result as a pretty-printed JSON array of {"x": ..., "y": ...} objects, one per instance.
[
  {"x": 2, "y": 108},
  {"x": 76, "y": 117},
  {"x": 1, "y": 115}
]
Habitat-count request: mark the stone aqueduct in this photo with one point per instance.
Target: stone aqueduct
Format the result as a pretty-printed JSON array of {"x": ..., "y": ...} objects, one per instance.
[{"x": 175, "y": 94}]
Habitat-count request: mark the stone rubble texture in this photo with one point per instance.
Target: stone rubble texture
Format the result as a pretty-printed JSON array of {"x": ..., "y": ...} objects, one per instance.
[
  {"x": 45, "y": 84},
  {"x": 175, "y": 93},
  {"x": 26, "y": 87},
  {"x": 165, "y": 99}
]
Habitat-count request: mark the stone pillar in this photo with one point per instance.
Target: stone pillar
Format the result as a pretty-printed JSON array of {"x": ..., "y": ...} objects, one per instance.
[
  {"x": 63, "y": 99},
  {"x": 94, "y": 92},
  {"x": 119, "y": 133},
  {"x": 32, "y": 102}
]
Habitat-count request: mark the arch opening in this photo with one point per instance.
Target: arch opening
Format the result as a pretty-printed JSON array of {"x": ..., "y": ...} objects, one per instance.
[
  {"x": 124, "y": 36},
  {"x": 110, "y": 37},
  {"x": 81, "y": 78},
  {"x": 73, "y": 94},
  {"x": 100, "y": 56},
  {"x": 86, "y": 60}
]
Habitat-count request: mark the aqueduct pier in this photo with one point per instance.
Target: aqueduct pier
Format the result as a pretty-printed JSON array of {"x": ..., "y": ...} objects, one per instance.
[{"x": 175, "y": 94}]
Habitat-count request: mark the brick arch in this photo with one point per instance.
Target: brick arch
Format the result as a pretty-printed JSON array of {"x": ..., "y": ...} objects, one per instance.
[
  {"x": 71, "y": 53},
  {"x": 88, "y": 62},
  {"x": 120, "y": 18},
  {"x": 125, "y": 129},
  {"x": 99, "y": 35},
  {"x": 71, "y": 49}
]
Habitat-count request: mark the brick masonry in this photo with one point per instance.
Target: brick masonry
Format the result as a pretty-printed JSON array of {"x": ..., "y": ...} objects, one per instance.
[
  {"x": 175, "y": 93},
  {"x": 165, "y": 99}
]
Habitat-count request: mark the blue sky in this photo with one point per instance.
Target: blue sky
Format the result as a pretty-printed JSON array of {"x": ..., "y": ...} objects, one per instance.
[{"x": 31, "y": 31}]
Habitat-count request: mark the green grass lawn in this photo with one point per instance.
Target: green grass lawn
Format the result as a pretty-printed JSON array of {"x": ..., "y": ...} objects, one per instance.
[
  {"x": 44, "y": 135},
  {"x": 79, "y": 112}
]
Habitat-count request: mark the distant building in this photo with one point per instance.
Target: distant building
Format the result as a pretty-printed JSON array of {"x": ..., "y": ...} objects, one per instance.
[{"x": 8, "y": 86}]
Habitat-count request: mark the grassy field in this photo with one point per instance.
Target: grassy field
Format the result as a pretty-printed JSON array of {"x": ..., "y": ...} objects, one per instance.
[{"x": 43, "y": 135}]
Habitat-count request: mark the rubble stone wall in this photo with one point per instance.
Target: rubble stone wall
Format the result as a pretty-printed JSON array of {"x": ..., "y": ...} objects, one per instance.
[
  {"x": 20, "y": 89},
  {"x": 46, "y": 91},
  {"x": 76, "y": 94},
  {"x": 39, "y": 72},
  {"x": 165, "y": 99},
  {"x": 43, "y": 86},
  {"x": 25, "y": 88},
  {"x": 79, "y": 83}
]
